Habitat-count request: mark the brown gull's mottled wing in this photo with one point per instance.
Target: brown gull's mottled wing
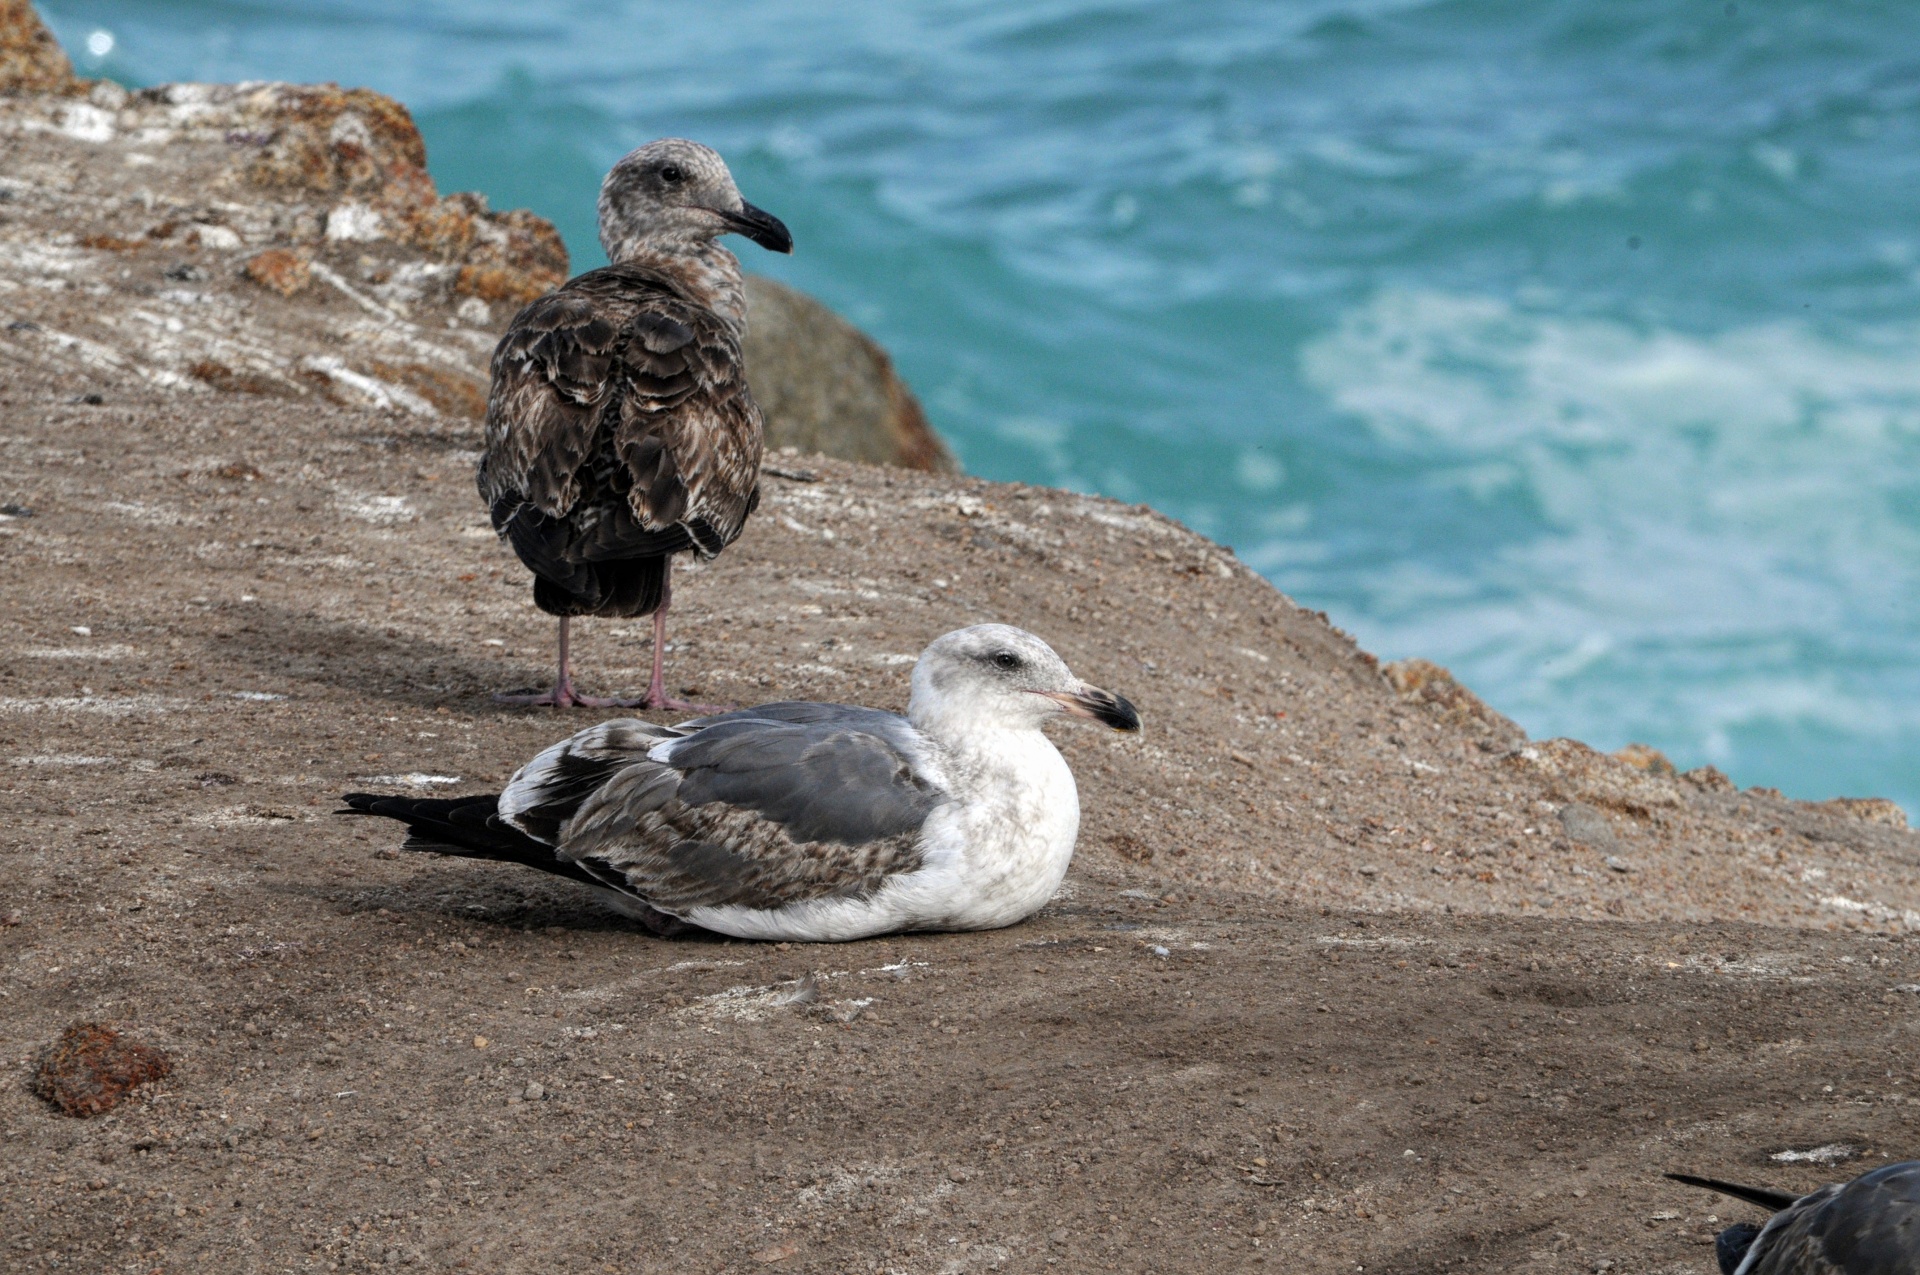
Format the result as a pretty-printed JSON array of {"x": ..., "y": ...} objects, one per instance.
[
  {"x": 619, "y": 424},
  {"x": 759, "y": 808}
]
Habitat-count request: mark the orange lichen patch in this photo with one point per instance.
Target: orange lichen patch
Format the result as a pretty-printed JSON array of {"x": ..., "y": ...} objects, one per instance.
[
  {"x": 358, "y": 147},
  {"x": 445, "y": 228},
  {"x": 320, "y": 383},
  {"x": 221, "y": 377},
  {"x": 1576, "y": 772},
  {"x": 1424, "y": 682},
  {"x": 1648, "y": 758},
  {"x": 447, "y": 390},
  {"x": 1708, "y": 779},
  {"x": 111, "y": 243},
  {"x": 407, "y": 195},
  {"x": 92, "y": 1068},
  {"x": 532, "y": 245},
  {"x": 502, "y": 283},
  {"x": 1866, "y": 809},
  {"x": 31, "y": 60},
  {"x": 334, "y": 140},
  {"x": 357, "y": 142},
  {"x": 285, "y": 272},
  {"x": 516, "y": 256}
]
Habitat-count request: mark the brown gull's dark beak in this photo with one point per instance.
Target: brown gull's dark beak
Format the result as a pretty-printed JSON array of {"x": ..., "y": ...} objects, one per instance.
[
  {"x": 1097, "y": 705},
  {"x": 760, "y": 226}
]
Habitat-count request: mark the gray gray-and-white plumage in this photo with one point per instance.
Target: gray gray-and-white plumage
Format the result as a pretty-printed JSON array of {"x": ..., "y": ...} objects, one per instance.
[
  {"x": 620, "y": 430},
  {"x": 1868, "y": 1226},
  {"x": 809, "y": 821}
]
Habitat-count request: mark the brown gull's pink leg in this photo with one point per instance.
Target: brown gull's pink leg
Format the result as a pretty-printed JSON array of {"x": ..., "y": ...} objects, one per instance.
[{"x": 563, "y": 695}]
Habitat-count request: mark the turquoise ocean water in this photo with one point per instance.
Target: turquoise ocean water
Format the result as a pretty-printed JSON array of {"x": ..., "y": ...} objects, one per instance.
[{"x": 1573, "y": 344}]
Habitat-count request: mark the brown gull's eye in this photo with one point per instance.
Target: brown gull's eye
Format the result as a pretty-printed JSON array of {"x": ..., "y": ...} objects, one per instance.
[{"x": 673, "y": 174}]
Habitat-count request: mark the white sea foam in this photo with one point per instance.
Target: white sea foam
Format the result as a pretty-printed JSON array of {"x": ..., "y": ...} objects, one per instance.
[{"x": 1707, "y": 505}]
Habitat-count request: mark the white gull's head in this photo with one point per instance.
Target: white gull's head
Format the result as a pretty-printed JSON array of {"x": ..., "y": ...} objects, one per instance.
[
  {"x": 997, "y": 677},
  {"x": 674, "y": 193}
]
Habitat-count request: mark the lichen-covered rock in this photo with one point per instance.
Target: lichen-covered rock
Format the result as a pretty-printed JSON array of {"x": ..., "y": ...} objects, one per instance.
[
  {"x": 249, "y": 192},
  {"x": 825, "y": 386},
  {"x": 31, "y": 60},
  {"x": 1645, "y": 757},
  {"x": 1709, "y": 779},
  {"x": 1576, "y": 772},
  {"x": 1424, "y": 682},
  {"x": 1866, "y": 809},
  {"x": 283, "y": 271}
]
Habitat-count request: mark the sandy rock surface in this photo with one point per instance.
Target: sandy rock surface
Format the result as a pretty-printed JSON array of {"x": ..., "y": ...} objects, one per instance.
[
  {"x": 1293, "y": 948},
  {"x": 1347, "y": 974}
]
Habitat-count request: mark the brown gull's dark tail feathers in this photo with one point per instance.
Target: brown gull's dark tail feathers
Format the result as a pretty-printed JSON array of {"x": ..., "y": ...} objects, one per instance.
[{"x": 623, "y": 589}]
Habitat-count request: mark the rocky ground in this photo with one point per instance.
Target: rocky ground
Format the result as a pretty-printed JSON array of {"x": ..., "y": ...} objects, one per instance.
[
  {"x": 1348, "y": 973},
  {"x": 1344, "y": 976}
]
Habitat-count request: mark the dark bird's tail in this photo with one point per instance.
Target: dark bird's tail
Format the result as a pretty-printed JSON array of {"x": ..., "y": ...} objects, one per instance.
[
  {"x": 1774, "y": 1200},
  {"x": 466, "y": 826}
]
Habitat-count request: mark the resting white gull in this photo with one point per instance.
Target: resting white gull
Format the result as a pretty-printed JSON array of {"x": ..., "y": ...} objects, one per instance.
[
  {"x": 1869, "y": 1226},
  {"x": 804, "y": 821},
  {"x": 619, "y": 426}
]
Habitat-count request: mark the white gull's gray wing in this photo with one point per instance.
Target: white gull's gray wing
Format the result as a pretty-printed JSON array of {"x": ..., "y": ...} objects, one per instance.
[{"x": 750, "y": 809}]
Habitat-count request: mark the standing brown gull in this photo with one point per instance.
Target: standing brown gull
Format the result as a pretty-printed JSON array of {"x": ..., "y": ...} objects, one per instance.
[
  {"x": 803, "y": 821},
  {"x": 619, "y": 426}
]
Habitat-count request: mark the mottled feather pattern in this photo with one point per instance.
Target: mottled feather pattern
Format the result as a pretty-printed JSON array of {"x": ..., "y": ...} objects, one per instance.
[
  {"x": 1869, "y": 1226},
  {"x": 549, "y": 790},
  {"x": 744, "y": 809},
  {"x": 678, "y": 857},
  {"x": 619, "y": 427}
]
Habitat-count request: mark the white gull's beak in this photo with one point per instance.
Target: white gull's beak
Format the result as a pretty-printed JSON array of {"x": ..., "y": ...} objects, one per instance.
[{"x": 1096, "y": 705}]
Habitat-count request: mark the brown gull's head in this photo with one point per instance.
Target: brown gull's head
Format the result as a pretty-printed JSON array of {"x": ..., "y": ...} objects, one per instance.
[{"x": 674, "y": 193}]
